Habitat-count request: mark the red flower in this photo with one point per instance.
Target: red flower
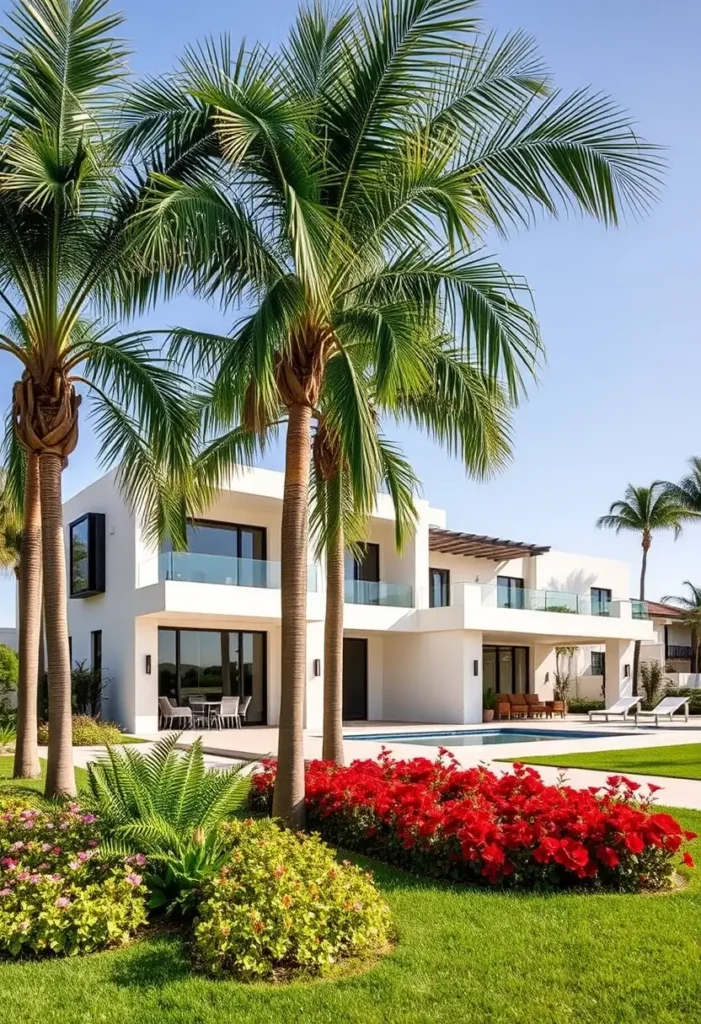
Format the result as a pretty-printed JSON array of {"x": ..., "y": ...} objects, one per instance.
[
  {"x": 634, "y": 842},
  {"x": 688, "y": 860}
]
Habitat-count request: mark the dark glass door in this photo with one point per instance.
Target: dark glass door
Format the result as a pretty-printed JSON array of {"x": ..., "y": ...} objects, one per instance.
[
  {"x": 505, "y": 669},
  {"x": 355, "y": 679}
]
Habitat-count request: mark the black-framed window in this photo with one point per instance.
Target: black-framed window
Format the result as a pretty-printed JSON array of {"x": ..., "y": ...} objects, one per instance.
[
  {"x": 86, "y": 548},
  {"x": 70, "y": 651},
  {"x": 505, "y": 669},
  {"x": 600, "y": 602},
  {"x": 438, "y": 588},
  {"x": 96, "y": 651},
  {"x": 598, "y": 663},
  {"x": 365, "y": 565},
  {"x": 214, "y": 663},
  {"x": 510, "y": 592},
  {"x": 232, "y": 540}
]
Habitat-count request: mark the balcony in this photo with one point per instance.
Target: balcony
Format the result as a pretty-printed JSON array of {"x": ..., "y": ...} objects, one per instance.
[
  {"x": 386, "y": 595},
  {"x": 678, "y": 651},
  {"x": 495, "y": 596},
  {"x": 191, "y": 567}
]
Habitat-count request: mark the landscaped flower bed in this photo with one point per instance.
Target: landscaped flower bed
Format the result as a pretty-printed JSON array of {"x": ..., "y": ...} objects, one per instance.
[
  {"x": 437, "y": 819},
  {"x": 58, "y": 892}
]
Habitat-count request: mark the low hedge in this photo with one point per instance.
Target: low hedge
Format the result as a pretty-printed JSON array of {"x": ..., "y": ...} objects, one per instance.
[
  {"x": 694, "y": 698},
  {"x": 583, "y": 705},
  {"x": 284, "y": 903},
  {"x": 87, "y": 732}
]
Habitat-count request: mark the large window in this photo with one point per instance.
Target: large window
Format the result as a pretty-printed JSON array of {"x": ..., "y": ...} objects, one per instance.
[
  {"x": 439, "y": 588},
  {"x": 366, "y": 566},
  {"x": 505, "y": 669},
  {"x": 86, "y": 541},
  {"x": 213, "y": 663},
  {"x": 600, "y": 602},
  {"x": 510, "y": 592}
]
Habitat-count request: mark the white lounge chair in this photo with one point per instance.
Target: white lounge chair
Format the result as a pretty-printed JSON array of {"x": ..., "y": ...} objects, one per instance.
[
  {"x": 622, "y": 706},
  {"x": 168, "y": 714},
  {"x": 665, "y": 708}
]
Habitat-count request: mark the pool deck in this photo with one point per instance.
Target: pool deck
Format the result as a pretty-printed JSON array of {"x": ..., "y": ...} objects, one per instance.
[{"x": 256, "y": 742}]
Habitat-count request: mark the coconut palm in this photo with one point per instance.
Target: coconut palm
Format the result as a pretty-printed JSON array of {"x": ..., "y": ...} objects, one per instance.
[
  {"x": 644, "y": 510},
  {"x": 66, "y": 254},
  {"x": 343, "y": 189},
  {"x": 688, "y": 490},
  {"x": 691, "y": 617}
]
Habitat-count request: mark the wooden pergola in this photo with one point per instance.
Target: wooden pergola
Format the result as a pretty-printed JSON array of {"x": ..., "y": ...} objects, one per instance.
[{"x": 476, "y": 545}]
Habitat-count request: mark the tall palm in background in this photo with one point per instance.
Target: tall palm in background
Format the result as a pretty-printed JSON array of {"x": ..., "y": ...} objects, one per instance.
[
  {"x": 688, "y": 491},
  {"x": 691, "y": 618},
  {"x": 65, "y": 255},
  {"x": 644, "y": 510},
  {"x": 342, "y": 188}
]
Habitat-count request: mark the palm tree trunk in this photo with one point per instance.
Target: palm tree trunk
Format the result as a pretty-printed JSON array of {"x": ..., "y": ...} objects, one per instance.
[
  {"x": 60, "y": 777},
  {"x": 332, "y": 744},
  {"x": 694, "y": 661},
  {"x": 288, "y": 798},
  {"x": 26, "y": 764},
  {"x": 41, "y": 671},
  {"x": 636, "y": 649}
]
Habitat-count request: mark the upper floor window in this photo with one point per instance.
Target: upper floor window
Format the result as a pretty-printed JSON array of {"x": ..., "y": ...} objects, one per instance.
[
  {"x": 86, "y": 550},
  {"x": 600, "y": 603},
  {"x": 439, "y": 588},
  {"x": 365, "y": 565},
  {"x": 230, "y": 540},
  {"x": 510, "y": 592}
]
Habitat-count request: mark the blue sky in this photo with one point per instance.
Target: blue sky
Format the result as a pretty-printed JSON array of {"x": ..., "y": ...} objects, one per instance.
[{"x": 619, "y": 397}]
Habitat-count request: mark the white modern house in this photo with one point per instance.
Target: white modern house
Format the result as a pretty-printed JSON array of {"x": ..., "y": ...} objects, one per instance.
[{"x": 426, "y": 632}]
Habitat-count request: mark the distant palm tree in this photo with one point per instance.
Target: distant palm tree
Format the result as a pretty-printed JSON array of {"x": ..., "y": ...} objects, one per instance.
[
  {"x": 644, "y": 510},
  {"x": 344, "y": 189},
  {"x": 691, "y": 618},
  {"x": 67, "y": 255},
  {"x": 688, "y": 491}
]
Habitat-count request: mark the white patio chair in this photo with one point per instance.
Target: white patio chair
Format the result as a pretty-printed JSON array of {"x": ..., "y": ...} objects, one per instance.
[
  {"x": 228, "y": 712},
  {"x": 243, "y": 709},
  {"x": 666, "y": 708},
  {"x": 168, "y": 714},
  {"x": 622, "y": 706}
]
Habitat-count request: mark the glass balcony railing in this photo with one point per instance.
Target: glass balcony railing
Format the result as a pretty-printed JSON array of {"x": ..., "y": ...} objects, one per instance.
[
  {"x": 393, "y": 595},
  {"x": 494, "y": 596},
  {"x": 190, "y": 567},
  {"x": 639, "y": 610}
]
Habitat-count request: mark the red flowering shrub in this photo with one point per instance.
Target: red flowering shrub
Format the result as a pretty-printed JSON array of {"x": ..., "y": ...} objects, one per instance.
[{"x": 439, "y": 819}]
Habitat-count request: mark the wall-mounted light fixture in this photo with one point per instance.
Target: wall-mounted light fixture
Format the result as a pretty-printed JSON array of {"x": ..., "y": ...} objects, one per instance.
[
  {"x": 148, "y": 664},
  {"x": 475, "y": 667},
  {"x": 626, "y": 671},
  {"x": 547, "y": 677},
  {"x": 317, "y": 667}
]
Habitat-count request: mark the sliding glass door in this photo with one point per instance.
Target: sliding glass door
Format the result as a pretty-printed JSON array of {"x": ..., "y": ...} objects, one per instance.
[
  {"x": 214, "y": 663},
  {"x": 505, "y": 669}
]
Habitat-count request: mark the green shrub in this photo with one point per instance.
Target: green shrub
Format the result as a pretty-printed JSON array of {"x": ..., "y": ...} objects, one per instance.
[
  {"x": 9, "y": 668},
  {"x": 283, "y": 902},
  {"x": 168, "y": 805},
  {"x": 582, "y": 705},
  {"x": 59, "y": 891},
  {"x": 87, "y": 732}
]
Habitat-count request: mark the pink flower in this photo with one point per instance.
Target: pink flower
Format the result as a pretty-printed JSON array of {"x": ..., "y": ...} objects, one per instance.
[
  {"x": 83, "y": 856},
  {"x": 63, "y": 901},
  {"x": 5, "y": 892},
  {"x": 45, "y": 847},
  {"x": 56, "y": 878},
  {"x": 18, "y": 846},
  {"x": 88, "y": 819},
  {"x": 24, "y": 926},
  {"x": 74, "y": 865},
  {"x": 92, "y": 844},
  {"x": 74, "y": 808},
  {"x": 139, "y": 860},
  {"x": 23, "y": 876},
  {"x": 28, "y": 823},
  {"x": 9, "y": 863},
  {"x": 34, "y": 879},
  {"x": 133, "y": 880}
]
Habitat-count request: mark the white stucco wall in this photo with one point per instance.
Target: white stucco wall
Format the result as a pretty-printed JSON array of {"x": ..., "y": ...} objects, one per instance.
[{"x": 429, "y": 677}]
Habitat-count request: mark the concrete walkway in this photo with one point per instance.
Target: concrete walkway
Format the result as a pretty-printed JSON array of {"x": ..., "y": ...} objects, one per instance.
[{"x": 574, "y": 735}]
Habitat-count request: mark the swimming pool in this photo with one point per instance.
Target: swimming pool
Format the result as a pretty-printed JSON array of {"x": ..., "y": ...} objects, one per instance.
[{"x": 480, "y": 737}]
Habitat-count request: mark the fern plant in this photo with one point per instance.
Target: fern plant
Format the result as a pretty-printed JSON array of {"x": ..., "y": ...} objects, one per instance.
[{"x": 167, "y": 806}]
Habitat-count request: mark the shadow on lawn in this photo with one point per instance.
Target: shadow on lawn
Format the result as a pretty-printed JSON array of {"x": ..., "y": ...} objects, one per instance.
[{"x": 153, "y": 961}]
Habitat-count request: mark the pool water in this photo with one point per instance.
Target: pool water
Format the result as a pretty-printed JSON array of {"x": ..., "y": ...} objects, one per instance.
[{"x": 480, "y": 737}]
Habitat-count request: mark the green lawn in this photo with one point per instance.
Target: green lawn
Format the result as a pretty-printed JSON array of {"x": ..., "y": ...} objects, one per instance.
[
  {"x": 8, "y": 785},
  {"x": 677, "y": 762},
  {"x": 463, "y": 955}
]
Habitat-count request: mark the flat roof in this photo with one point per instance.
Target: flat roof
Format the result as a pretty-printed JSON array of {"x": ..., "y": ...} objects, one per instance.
[{"x": 476, "y": 545}]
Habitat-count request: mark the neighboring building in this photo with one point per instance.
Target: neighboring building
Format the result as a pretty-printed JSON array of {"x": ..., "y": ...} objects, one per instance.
[
  {"x": 425, "y": 631},
  {"x": 8, "y": 637}
]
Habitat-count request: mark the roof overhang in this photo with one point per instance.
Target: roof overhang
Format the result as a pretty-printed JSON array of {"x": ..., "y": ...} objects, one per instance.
[{"x": 475, "y": 545}]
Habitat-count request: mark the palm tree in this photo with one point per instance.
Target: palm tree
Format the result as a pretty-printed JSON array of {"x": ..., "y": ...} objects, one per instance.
[
  {"x": 688, "y": 491},
  {"x": 691, "y": 618},
  {"x": 644, "y": 510},
  {"x": 66, "y": 254},
  {"x": 343, "y": 190},
  {"x": 20, "y": 552}
]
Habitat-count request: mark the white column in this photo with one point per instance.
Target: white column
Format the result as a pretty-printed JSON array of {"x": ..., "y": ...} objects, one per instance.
[
  {"x": 140, "y": 693},
  {"x": 619, "y": 668},
  {"x": 314, "y": 711},
  {"x": 472, "y": 677},
  {"x": 417, "y": 549}
]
